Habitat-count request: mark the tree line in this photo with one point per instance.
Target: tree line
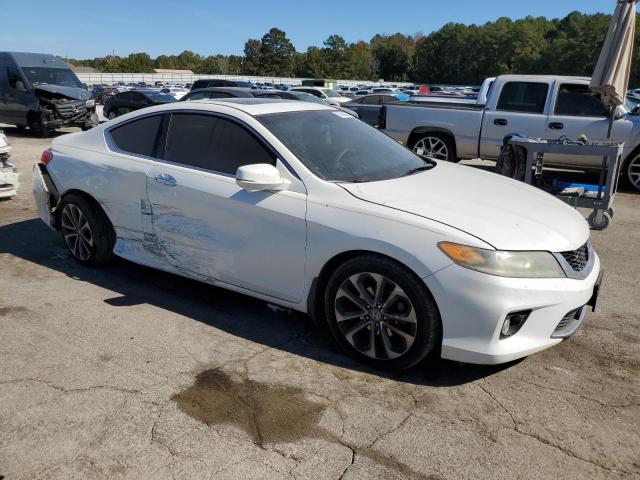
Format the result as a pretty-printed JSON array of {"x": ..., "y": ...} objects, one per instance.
[{"x": 455, "y": 54}]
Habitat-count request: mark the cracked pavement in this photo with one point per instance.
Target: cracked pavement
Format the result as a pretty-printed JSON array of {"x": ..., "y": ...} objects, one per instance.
[{"x": 126, "y": 372}]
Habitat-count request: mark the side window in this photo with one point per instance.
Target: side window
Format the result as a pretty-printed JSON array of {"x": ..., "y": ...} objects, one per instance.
[
  {"x": 389, "y": 99},
  {"x": 371, "y": 100},
  {"x": 579, "y": 100},
  {"x": 213, "y": 143},
  {"x": 138, "y": 97},
  {"x": 124, "y": 97},
  {"x": 139, "y": 137},
  {"x": 218, "y": 95},
  {"x": 526, "y": 97},
  {"x": 13, "y": 77},
  {"x": 199, "y": 96}
]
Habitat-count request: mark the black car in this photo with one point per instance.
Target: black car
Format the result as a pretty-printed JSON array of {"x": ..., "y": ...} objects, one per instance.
[
  {"x": 214, "y": 82},
  {"x": 42, "y": 92},
  {"x": 230, "y": 92},
  {"x": 126, "y": 102}
]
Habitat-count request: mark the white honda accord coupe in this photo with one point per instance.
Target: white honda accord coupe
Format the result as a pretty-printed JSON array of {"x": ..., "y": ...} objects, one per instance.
[{"x": 304, "y": 206}]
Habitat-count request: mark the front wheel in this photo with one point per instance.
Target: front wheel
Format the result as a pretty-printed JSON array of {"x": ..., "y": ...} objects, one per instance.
[
  {"x": 112, "y": 114},
  {"x": 436, "y": 146},
  {"x": 38, "y": 127},
  {"x": 381, "y": 313}
]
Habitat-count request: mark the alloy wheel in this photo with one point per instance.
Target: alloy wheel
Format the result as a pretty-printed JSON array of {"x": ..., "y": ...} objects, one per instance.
[
  {"x": 77, "y": 232},
  {"x": 633, "y": 172},
  {"x": 432, "y": 147},
  {"x": 375, "y": 315}
]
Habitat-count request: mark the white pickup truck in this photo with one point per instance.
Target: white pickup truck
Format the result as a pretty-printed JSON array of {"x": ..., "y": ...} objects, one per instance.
[{"x": 534, "y": 105}]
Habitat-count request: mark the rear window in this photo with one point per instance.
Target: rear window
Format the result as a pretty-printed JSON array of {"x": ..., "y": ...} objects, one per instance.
[
  {"x": 525, "y": 97},
  {"x": 138, "y": 137}
]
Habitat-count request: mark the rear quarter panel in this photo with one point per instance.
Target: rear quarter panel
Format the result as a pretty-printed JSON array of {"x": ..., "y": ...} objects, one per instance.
[{"x": 82, "y": 161}]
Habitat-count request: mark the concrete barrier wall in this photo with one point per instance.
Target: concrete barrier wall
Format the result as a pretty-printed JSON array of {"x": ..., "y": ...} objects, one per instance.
[{"x": 151, "y": 78}]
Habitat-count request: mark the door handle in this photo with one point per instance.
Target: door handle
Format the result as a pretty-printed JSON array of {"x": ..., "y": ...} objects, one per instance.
[
  {"x": 556, "y": 125},
  {"x": 166, "y": 179},
  {"x": 500, "y": 121}
]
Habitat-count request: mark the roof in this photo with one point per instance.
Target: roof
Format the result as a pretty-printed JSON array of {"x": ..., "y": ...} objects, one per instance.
[
  {"x": 251, "y": 106},
  {"x": 27, "y": 59},
  {"x": 169, "y": 70},
  {"x": 543, "y": 78}
]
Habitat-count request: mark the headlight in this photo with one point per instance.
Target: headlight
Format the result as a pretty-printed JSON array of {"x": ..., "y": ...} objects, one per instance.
[
  {"x": 90, "y": 103},
  {"x": 503, "y": 263}
]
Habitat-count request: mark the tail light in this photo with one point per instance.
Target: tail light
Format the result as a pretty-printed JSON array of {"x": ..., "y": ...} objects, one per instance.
[{"x": 46, "y": 157}]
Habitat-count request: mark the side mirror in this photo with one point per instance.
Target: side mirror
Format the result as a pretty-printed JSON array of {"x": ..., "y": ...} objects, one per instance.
[
  {"x": 260, "y": 176},
  {"x": 20, "y": 86}
]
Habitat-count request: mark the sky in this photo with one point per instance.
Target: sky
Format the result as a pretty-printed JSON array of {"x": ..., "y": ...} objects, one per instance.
[{"x": 90, "y": 29}]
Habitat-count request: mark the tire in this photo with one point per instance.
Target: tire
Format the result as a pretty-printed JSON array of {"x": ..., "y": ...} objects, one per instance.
[
  {"x": 37, "y": 126},
  {"x": 512, "y": 162},
  {"x": 436, "y": 145},
  {"x": 630, "y": 171},
  {"x": 111, "y": 115},
  {"x": 94, "y": 244},
  {"x": 391, "y": 334},
  {"x": 601, "y": 225}
]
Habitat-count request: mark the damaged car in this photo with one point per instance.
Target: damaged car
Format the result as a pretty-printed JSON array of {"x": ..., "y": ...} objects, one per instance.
[
  {"x": 8, "y": 173},
  {"x": 41, "y": 92}
]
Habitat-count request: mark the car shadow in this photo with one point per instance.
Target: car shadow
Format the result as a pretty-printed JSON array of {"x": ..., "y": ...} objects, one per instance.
[{"x": 231, "y": 312}]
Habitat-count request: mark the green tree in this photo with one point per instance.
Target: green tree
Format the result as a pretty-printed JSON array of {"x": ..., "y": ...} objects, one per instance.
[
  {"x": 276, "y": 54},
  {"x": 251, "y": 64}
]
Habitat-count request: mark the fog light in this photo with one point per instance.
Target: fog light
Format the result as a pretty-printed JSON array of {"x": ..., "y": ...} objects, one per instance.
[
  {"x": 505, "y": 327},
  {"x": 513, "y": 322}
]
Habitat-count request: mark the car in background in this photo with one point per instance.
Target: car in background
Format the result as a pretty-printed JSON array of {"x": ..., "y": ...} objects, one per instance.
[
  {"x": 236, "y": 92},
  {"x": 632, "y": 102},
  {"x": 175, "y": 92},
  {"x": 328, "y": 95},
  {"x": 383, "y": 90},
  {"x": 130, "y": 101},
  {"x": 216, "y": 82},
  {"x": 368, "y": 107}
]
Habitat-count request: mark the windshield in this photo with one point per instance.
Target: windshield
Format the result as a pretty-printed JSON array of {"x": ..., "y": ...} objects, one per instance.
[
  {"x": 51, "y": 76},
  {"x": 331, "y": 93},
  {"x": 340, "y": 148},
  {"x": 307, "y": 97},
  {"x": 160, "y": 97}
]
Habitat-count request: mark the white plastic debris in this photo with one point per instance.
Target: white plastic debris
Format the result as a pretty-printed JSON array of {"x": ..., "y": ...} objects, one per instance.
[{"x": 8, "y": 173}]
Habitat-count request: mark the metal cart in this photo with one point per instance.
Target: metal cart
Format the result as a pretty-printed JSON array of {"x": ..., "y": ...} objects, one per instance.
[{"x": 600, "y": 201}]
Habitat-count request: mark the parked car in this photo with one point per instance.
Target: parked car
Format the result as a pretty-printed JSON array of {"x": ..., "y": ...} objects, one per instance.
[
  {"x": 134, "y": 100},
  {"x": 307, "y": 208},
  {"x": 534, "y": 105},
  {"x": 368, "y": 107},
  {"x": 237, "y": 92},
  {"x": 330, "y": 96},
  {"x": 42, "y": 92},
  {"x": 175, "y": 92},
  {"x": 210, "y": 83}
]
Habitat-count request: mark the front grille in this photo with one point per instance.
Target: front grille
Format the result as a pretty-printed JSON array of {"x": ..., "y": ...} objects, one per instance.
[
  {"x": 579, "y": 258},
  {"x": 71, "y": 109},
  {"x": 569, "y": 324}
]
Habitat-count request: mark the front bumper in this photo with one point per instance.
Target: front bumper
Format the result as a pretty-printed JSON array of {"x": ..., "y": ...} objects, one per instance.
[{"x": 474, "y": 305}]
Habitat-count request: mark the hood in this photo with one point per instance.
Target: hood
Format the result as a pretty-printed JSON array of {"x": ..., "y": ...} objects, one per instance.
[
  {"x": 507, "y": 214},
  {"x": 75, "y": 93}
]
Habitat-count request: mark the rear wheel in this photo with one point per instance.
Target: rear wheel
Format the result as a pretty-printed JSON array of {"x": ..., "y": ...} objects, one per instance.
[
  {"x": 436, "y": 146},
  {"x": 86, "y": 230},
  {"x": 381, "y": 313}
]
